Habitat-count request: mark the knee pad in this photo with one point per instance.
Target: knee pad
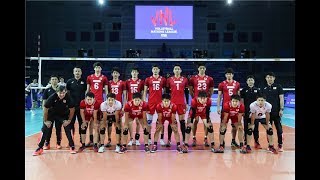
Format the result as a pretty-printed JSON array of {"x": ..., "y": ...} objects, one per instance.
[
  {"x": 149, "y": 122},
  {"x": 188, "y": 130},
  {"x": 270, "y": 131},
  {"x": 118, "y": 131},
  {"x": 102, "y": 131},
  {"x": 249, "y": 132},
  {"x": 223, "y": 130},
  {"x": 210, "y": 129},
  {"x": 145, "y": 132},
  {"x": 137, "y": 136},
  {"x": 125, "y": 131}
]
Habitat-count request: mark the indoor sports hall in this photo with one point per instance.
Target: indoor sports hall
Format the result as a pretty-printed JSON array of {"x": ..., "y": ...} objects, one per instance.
[{"x": 249, "y": 37}]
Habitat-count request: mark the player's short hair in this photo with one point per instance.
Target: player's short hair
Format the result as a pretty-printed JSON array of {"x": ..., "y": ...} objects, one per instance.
[
  {"x": 115, "y": 69},
  {"x": 90, "y": 94},
  {"x": 53, "y": 75},
  {"x": 177, "y": 65},
  {"x": 134, "y": 68},
  {"x": 235, "y": 96},
  {"x": 77, "y": 67},
  {"x": 166, "y": 96},
  {"x": 97, "y": 64},
  {"x": 201, "y": 64},
  {"x": 261, "y": 95},
  {"x": 156, "y": 65},
  {"x": 202, "y": 94},
  {"x": 270, "y": 74},
  {"x": 229, "y": 70},
  {"x": 136, "y": 95},
  {"x": 111, "y": 95},
  {"x": 250, "y": 76},
  {"x": 61, "y": 88}
]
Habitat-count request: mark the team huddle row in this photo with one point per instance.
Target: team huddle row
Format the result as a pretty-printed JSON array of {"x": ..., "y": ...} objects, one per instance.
[{"x": 166, "y": 97}]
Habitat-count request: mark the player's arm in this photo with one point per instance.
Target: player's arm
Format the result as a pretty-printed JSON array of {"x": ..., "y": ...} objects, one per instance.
[
  {"x": 281, "y": 97},
  {"x": 219, "y": 101},
  {"x": 240, "y": 117},
  {"x": 126, "y": 120},
  {"x": 106, "y": 90},
  {"x": 88, "y": 88},
  {"x": 144, "y": 118},
  {"x": 191, "y": 91},
  {"x": 144, "y": 93},
  {"x": 117, "y": 115},
  {"x": 267, "y": 118}
]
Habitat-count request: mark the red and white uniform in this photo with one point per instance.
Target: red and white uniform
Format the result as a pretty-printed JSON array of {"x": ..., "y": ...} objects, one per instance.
[
  {"x": 97, "y": 84},
  {"x": 228, "y": 89},
  {"x": 155, "y": 86},
  {"x": 177, "y": 86},
  {"x": 199, "y": 83},
  {"x": 167, "y": 112},
  {"x": 133, "y": 86},
  {"x": 88, "y": 109},
  {"x": 232, "y": 111},
  {"x": 200, "y": 108},
  {"x": 117, "y": 88},
  {"x": 111, "y": 110},
  {"x": 135, "y": 111},
  {"x": 260, "y": 111}
]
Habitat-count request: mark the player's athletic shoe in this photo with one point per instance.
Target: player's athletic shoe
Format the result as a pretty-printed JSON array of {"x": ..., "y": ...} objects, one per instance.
[
  {"x": 154, "y": 148},
  {"x": 101, "y": 149},
  {"x": 90, "y": 144},
  {"x": 194, "y": 142},
  {"x": 82, "y": 148},
  {"x": 130, "y": 142},
  {"x": 248, "y": 149},
  {"x": 46, "y": 146},
  {"x": 257, "y": 145},
  {"x": 58, "y": 146},
  {"x": 117, "y": 149},
  {"x": 219, "y": 150},
  {"x": 162, "y": 142},
  {"x": 272, "y": 150},
  {"x": 137, "y": 143},
  {"x": 185, "y": 148},
  {"x": 168, "y": 144},
  {"x": 280, "y": 148},
  {"x": 37, "y": 152},
  {"x": 108, "y": 144},
  {"x": 179, "y": 149},
  {"x": 146, "y": 149},
  {"x": 234, "y": 145},
  {"x": 205, "y": 142},
  {"x": 122, "y": 150},
  {"x": 73, "y": 150},
  {"x": 95, "y": 148},
  {"x": 243, "y": 150}
]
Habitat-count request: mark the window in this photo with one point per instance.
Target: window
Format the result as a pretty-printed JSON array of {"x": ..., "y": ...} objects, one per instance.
[
  {"x": 211, "y": 26},
  {"x": 99, "y": 36},
  {"x": 114, "y": 36},
  {"x": 257, "y": 37},
  {"x": 70, "y": 36},
  {"x": 227, "y": 37},
  {"x": 116, "y": 26},
  {"x": 214, "y": 37},
  {"x": 243, "y": 37},
  {"x": 85, "y": 36}
]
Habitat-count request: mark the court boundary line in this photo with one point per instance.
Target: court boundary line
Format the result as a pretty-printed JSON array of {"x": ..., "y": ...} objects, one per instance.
[{"x": 159, "y": 150}]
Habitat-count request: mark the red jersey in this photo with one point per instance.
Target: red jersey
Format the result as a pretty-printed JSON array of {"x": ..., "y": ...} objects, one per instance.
[
  {"x": 155, "y": 86},
  {"x": 135, "y": 111},
  {"x": 117, "y": 88},
  {"x": 88, "y": 109},
  {"x": 228, "y": 89},
  {"x": 134, "y": 86},
  {"x": 201, "y": 84},
  {"x": 233, "y": 111},
  {"x": 97, "y": 84},
  {"x": 177, "y": 86},
  {"x": 167, "y": 112},
  {"x": 200, "y": 108}
]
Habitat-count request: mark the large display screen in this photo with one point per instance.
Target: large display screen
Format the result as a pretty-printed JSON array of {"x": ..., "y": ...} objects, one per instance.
[{"x": 163, "y": 22}]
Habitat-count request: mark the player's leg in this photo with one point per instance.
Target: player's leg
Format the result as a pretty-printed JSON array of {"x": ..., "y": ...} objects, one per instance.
[
  {"x": 110, "y": 121},
  {"x": 102, "y": 132},
  {"x": 190, "y": 126},
  {"x": 124, "y": 137},
  {"x": 90, "y": 127},
  {"x": 182, "y": 126},
  {"x": 137, "y": 135},
  {"x": 174, "y": 126},
  {"x": 131, "y": 142},
  {"x": 67, "y": 129},
  {"x": 146, "y": 135},
  {"x": 208, "y": 124},
  {"x": 159, "y": 128},
  {"x": 162, "y": 143},
  {"x": 169, "y": 135},
  {"x": 58, "y": 126},
  {"x": 234, "y": 144},
  {"x": 149, "y": 122},
  {"x": 83, "y": 134},
  {"x": 194, "y": 131},
  {"x": 278, "y": 125},
  {"x": 73, "y": 120},
  {"x": 256, "y": 134},
  {"x": 241, "y": 133},
  {"x": 96, "y": 134},
  {"x": 269, "y": 130},
  {"x": 48, "y": 136},
  {"x": 118, "y": 125},
  {"x": 222, "y": 132},
  {"x": 45, "y": 131},
  {"x": 245, "y": 124}
]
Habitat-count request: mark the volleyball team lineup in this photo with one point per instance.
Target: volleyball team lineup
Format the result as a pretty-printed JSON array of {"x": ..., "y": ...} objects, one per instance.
[{"x": 137, "y": 101}]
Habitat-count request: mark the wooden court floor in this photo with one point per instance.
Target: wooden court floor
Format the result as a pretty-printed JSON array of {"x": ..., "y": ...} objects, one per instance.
[{"x": 166, "y": 163}]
